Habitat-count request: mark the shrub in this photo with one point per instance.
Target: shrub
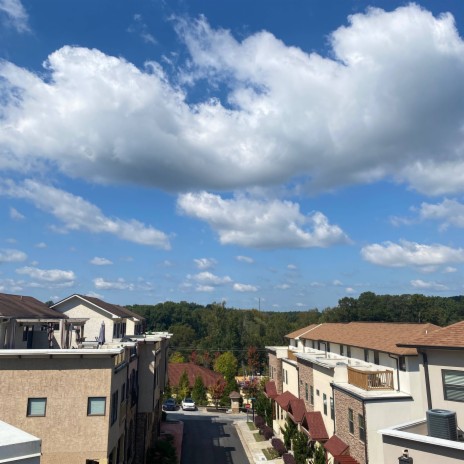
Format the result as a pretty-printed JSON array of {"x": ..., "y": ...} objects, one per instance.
[
  {"x": 288, "y": 459},
  {"x": 278, "y": 445},
  {"x": 259, "y": 421},
  {"x": 267, "y": 432}
]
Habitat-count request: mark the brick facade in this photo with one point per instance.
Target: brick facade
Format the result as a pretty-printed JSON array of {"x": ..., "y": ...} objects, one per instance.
[
  {"x": 344, "y": 402},
  {"x": 306, "y": 381},
  {"x": 275, "y": 371}
]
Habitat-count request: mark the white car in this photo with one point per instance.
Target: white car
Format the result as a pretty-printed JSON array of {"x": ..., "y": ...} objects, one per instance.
[{"x": 188, "y": 404}]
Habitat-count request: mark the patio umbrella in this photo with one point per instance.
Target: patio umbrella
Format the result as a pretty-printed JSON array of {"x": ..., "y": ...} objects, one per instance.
[{"x": 101, "y": 335}]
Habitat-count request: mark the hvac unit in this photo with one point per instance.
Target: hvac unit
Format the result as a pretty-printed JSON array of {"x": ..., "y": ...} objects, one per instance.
[{"x": 442, "y": 423}]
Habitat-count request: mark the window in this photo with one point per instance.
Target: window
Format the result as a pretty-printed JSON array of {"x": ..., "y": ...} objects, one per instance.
[
  {"x": 402, "y": 363},
  {"x": 342, "y": 350},
  {"x": 366, "y": 355},
  {"x": 36, "y": 407},
  {"x": 453, "y": 385},
  {"x": 328, "y": 346},
  {"x": 324, "y": 401},
  {"x": 313, "y": 343},
  {"x": 114, "y": 407},
  {"x": 348, "y": 351},
  {"x": 123, "y": 393},
  {"x": 376, "y": 357},
  {"x": 96, "y": 406},
  {"x": 317, "y": 392},
  {"x": 25, "y": 330},
  {"x": 286, "y": 377},
  {"x": 332, "y": 409},
  {"x": 311, "y": 397},
  {"x": 362, "y": 428},
  {"x": 350, "y": 420},
  {"x": 306, "y": 391}
]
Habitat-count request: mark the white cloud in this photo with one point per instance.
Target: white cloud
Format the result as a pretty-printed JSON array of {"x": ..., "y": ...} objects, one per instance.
[
  {"x": 139, "y": 27},
  {"x": 15, "y": 14},
  {"x": 204, "y": 288},
  {"x": 337, "y": 283},
  {"x": 98, "y": 261},
  {"x": 94, "y": 295},
  {"x": 411, "y": 254},
  {"x": 292, "y": 267},
  {"x": 209, "y": 278},
  {"x": 282, "y": 286},
  {"x": 450, "y": 212},
  {"x": 78, "y": 214},
  {"x": 449, "y": 269},
  {"x": 119, "y": 284},
  {"x": 318, "y": 284},
  {"x": 423, "y": 285},
  {"x": 256, "y": 223},
  {"x": 12, "y": 256},
  {"x": 56, "y": 276},
  {"x": 16, "y": 215},
  {"x": 205, "y": 263},
  {"x": 245, "y": 259},
  {"x": 41, "y": 245},
  {"x": 244, "y": 288},
  {"x": 11, "y": 285},
  {"x": 376, "y": 107},
  {"x": 350, "y": 290}
]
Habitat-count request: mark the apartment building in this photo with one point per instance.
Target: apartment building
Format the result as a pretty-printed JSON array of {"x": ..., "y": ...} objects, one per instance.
[
  {"x": 17, "y": 446},
  {"x": 357, "y": 377}
]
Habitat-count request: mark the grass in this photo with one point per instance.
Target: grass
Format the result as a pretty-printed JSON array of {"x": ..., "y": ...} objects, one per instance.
[
  {"x": 251, "y": 426},
  {"x": 258, "y": 437},
  {"x": 270, "y": 453}
]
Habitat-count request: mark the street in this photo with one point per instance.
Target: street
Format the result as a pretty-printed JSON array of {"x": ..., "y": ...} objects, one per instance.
[{"x": 209, "y": 439}]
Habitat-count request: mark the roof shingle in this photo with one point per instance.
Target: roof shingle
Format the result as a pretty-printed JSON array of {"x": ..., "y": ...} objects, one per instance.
[
  {"x": 18, "y": 306},
  {"x": 314, "y": 424},
  {"x": 451, "y": 336},
  {"x": 284, "y": 399},
  {"x": 175, "y": 370},
  {"x": 335, "y": 446}
]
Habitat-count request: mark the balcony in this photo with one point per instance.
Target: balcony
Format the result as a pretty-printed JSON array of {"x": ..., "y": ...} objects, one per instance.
[{"x": 371, "y": 380}]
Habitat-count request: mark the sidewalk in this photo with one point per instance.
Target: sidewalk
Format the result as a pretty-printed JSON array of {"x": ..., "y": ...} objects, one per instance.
[
  {"x": 253, "y": 448},
  {"x": 176, "y": 429}
]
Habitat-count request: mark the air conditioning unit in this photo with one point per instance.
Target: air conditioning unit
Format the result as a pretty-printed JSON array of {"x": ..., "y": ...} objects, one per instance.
[{"x": 442, "y": 423}]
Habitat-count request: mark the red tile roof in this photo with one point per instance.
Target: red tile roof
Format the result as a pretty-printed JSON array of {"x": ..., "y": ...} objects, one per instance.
[
  {"x": 314, "y": 424},
  {"x": 379, "y": 336},
  {"x": 446, "y": 337},
  {"x": 335, "y": 446},
  {"x": 297, "y": 409},
  {"x": 26, "y": 307},
  {"x": 270, "y": 389},
  {"x": 345, "y": 459},
  {"x": 299, "y": 332},
  {"x": 284, "y": 399},
  {"x": 175, "y": 370}
]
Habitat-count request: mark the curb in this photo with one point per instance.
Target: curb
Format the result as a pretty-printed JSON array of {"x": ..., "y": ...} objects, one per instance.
[{"x": 244, "y": 443}]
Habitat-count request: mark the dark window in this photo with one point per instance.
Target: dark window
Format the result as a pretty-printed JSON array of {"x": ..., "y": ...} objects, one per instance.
[
  {"x": 402, "y": 363},
  {"x": 348, "y": 351},
  {"x": 350, "y": 420},
  {"x": 328, "y": 346},
  {"x": 324, "y": 401},
  {"x": 342, "y": 349},
  {"x": 25, "y": 330},
  {"x": 306, "y": 391},
  {"x": 313, "y": 343},
  {"x": 362, "y": 428},
  {"x": 114, "y": 407},
  {"x": 36, "y": 407},
  {"x": 376, "y": 357},
  {"x": 311, "y": 397},
  {"x": 332, "y": 408},
  {"x": 96, "y": 406},
  {"x": 366, "y": 355},
  {"x": 453, "y": 385},
  {"x": 123, "y": 392}
]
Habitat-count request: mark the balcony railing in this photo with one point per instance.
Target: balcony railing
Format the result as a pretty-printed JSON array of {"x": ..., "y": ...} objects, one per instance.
[
  {"x": 368, "y": 380},
  {"x": 291, "y": 355}
]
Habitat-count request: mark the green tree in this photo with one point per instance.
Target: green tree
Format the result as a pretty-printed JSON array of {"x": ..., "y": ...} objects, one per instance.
[
  {"x": 176, "y": 358},
  {"x": 183, "y": 387},
  {"x": 199, "y": 391},
  {"x": 289, "y": 432},
  {"x": 300, "y": 448},
  {"x": 263, "y": 407},
  {"x": 226, "y": 364},
  {"x": 217, "y": 391},
  {"x": 319, "y": 455}
]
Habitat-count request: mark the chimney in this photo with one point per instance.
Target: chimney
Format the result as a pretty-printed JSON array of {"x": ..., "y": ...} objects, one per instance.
[{"x": 405, "y": 459}]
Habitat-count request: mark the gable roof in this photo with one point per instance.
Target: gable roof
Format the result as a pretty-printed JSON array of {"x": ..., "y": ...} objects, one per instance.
[
  {"x": 299, "y": 332},
  {"x": 19, "y": 306},
  {"x": 270, "y": 389},
  {"x": 175, "y": 371},
  {"x": 345, "y": 459},
  {"x": 335, "y": 446},
  {"x": 314, "y": 424},
  {"x": 379, "y": 336},
  {"x": 451, "y": 336},
  {"x": 115, "y": 310},
  {"x": 284, "y": 399},
  {"x": 297, "y": 409}
]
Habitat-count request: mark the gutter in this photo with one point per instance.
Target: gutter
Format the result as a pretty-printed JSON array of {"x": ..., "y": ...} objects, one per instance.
[{"x": 427, "y": 379}]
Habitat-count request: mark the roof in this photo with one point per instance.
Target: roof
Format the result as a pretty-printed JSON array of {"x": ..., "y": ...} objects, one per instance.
[
  {"x": 335, "y": 446},
  {"x": 379, "y": 336},
  {"x": 297, "y": 409},
  {"x": 175, "y": 370},
  {"x": 284, "y": 399},
  {"x": 19, "y": 306},
  {"x": 299, "y": 332},
  {"x": 345, "y": 459},
  {"x": 116, "y": 310},
  {"x": 445, "y": 337},
  {"x": 270, "y": 389},
  {"x": 314, "y": 424}
]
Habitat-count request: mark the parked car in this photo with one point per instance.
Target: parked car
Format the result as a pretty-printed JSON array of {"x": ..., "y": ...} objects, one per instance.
[
  {"x": 170, "y": 405},
  {"x": 188, "y": 404}
]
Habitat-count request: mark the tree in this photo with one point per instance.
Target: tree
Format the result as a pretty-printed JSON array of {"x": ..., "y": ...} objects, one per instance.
[
  {"x": 289, "y": 432},
  {"x": 217, "y": 391},
  {"x": 176, "y": 358},
  {"x": 300, "y": 448},
  {"x": 199, "y": 391},
  {"x": 183, "y": 387},
  {"x": 263, "y": 407},
  {"x": 253, "y": 360},
  {"x": 226, "y": 364},
  {"x": 319, "y": 455}
]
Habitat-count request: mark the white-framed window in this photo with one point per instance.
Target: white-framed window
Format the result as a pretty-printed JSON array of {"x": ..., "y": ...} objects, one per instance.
[
  {"x": 96, "y": 406},
  {"x": 362, "y": 427},
  {"x": 453, "y": 385},
  {"x": 36, "y": 407}
]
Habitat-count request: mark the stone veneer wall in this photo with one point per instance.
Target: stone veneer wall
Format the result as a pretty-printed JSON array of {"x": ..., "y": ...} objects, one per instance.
[
  {"x": 343, "y": 402},
  {"x": 306, "y": 377},
  {"x": 276, "y": 363}
]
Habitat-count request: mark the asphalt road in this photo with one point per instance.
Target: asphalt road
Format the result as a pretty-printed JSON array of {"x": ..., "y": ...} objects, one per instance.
[{"x": 210, "y": 439}]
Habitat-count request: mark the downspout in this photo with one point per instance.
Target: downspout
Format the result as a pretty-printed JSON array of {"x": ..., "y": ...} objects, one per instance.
[
  {"x": 397, "y": 370},
  {"x": 427, "y": 379}
]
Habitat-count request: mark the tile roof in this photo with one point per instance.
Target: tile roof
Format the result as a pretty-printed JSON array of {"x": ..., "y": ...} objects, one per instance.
[
  {"x": 299, "y": 332},
  {"x": 284, "y": 399},
  {"x": 297, "y": 409},
  {"x": 270, "y": 389},
  {"x": 451, "y": 336},
  {"x": 18, "y": 306},
  {"x": 335, "y": 446},
  {"x": 175, "y": 370},
  {"x": 380, "y": 336},
  {"x": 314, "y": 424},
  {"x": 345, "y": 459}
]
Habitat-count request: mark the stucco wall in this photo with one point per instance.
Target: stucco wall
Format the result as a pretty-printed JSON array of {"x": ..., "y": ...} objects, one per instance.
[
  {"x": 322, "y": 380},
  {"x": 290, "y": 383}
]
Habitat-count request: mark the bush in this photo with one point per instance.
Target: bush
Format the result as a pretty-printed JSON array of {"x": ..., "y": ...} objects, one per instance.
[
  {"x": 278, "y": 445},
  {"x": 288, "y": 459},
  {"x": 267, "y": 432},
  {"x": 259, "y": 422}
]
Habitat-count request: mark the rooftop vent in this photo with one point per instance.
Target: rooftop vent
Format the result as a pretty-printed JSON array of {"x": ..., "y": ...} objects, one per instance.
[{"x": 442, "y": 423}]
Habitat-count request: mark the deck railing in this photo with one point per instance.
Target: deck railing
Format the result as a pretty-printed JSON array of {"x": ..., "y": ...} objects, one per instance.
[
  {"x": 291, "y": 355},
  {"x": 368, "y": 380}
]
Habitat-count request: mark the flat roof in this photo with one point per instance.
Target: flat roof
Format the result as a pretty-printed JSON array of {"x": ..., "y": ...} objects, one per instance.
[{"x": 24, "y": 353}]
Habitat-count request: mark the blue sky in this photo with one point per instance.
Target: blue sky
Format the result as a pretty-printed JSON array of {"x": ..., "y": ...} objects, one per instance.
[{"x": 266, "y": 153}]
